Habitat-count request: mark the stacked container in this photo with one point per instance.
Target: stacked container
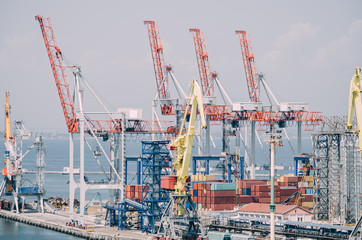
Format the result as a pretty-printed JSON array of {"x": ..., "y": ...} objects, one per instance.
[
  {"x": 134, "y": 192},
  {"x": 263, "y": 193}
]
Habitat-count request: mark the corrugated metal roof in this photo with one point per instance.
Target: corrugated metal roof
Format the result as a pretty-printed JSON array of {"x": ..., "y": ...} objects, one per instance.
[{"x": 264, "y": 208}]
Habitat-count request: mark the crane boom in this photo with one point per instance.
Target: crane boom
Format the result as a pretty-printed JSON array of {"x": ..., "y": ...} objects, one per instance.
[
  {"x": 355, "y": 102},
  {"x": 183, "y": 142},
  {"x": 206, "y": 77},
  {"x": 159, "y": 66},
  {"x": 249, "y": 66},
  {"x": 7, "y": 134},
  {"x": 59, "y": 73}
]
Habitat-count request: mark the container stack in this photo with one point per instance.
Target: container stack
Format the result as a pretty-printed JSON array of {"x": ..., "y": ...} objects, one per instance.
[
  {"x": 246, "y": 184},
  {"x": 216, "y": 196},
  {"x": 263, "y": 193},
  {"x": 286, "y": 192},
  {"x": 303, "y": 184},
  {"x": 222, "y": 196},
  {"x": 134, "y": 192}
]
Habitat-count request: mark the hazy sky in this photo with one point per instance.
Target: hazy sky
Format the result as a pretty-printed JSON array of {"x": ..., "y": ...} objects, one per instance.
[{"x": 307, "y": 50}]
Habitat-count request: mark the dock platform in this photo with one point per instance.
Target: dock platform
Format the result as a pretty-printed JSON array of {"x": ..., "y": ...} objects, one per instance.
[{"x": 58, "y": 223}]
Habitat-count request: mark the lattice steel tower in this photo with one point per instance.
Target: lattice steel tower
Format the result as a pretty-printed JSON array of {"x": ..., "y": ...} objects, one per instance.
[{"x": 337, "y": 175}]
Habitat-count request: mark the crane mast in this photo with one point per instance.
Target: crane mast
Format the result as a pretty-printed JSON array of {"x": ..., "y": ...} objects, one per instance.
[
  {"x": 183, "y": 142},
  {"x": 206, "y": 77},
  {"x": 249, "y": 66},
  {"x": 7, "y": 134},
  {"x": 355, "y": 103},
  {"x": 11, "y": 156},
  {"x": 159, "y": 66},
  {"x": 59, "y": 73}
]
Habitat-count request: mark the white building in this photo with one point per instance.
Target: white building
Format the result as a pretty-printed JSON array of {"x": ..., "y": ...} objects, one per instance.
[{"x": 282, "y": 212}]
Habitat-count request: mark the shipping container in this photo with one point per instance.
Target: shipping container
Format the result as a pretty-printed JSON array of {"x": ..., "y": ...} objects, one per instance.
[
  {"x": 221, "y": 207},
  {"x": 218, "y": 236},
  {"x": 309, "y": 191},
  {"x": 263, "y": 188},
  {"x": 222, "y": 186},
  {"x": 222, "y": 193},
  {"x": 241, "y": 237},
  {"x": 307, "y": 204},
  {"x": 287, "y": 191},
  {"x": 307, "y": 198},
  {"x": 308, "y": 178},
  {"x": 218, "y": 200},
  {"x": 246, "y": 191},
  {"x": 303, "y": 184},
  {"x": 168, "y": 182},
  {"x": 244, "y": 199}
]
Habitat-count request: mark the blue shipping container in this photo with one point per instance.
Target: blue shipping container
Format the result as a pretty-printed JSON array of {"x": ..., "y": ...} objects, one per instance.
[{"x": 246, "y": 191}]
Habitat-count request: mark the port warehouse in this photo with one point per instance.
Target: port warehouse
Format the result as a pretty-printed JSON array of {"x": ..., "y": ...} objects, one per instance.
[{"x": 313, "y": 186}]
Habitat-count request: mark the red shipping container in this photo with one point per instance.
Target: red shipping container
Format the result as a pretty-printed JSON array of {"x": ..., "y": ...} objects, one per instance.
[
  {"x": 283, "y": 184},
  {"x": 307, "y": 198},
  {"x": 223, "y": 200},
  {"x": 222, "y": 193},
  {"x": 287, "y": 191},
  {"x": 247, "y": 183},
  {"x": 263, "y": 188},
  {"x": 245, "y": 199},
  {"x": 168, "y": 182},
  {"x": 290, "y": 179},
  {"x": 220, "y": 207},
  {"x": 264, "y": 200},
  {"x": 266, "y": 194},
  {"x": 283, "y": 198}
]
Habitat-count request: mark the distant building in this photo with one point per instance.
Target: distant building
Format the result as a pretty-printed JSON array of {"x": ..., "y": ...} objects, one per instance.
[{"x": 282, "y": 212}]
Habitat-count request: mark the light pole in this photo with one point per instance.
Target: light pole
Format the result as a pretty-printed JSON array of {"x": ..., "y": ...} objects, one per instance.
[{"x": 274, "y": 139}]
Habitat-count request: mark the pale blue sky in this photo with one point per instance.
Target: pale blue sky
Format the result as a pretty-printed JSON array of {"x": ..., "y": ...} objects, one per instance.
[{"x": 307, "y": 50}]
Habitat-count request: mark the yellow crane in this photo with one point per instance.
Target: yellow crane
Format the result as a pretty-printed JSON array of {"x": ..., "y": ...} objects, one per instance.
[
  {"x": 355, "y": 102},
  {"x": 7, "y": 134},
  {"x": 9, "y": 142},
  {"x": 183, "y": 142},
  {"x": 180, "y": 218}
]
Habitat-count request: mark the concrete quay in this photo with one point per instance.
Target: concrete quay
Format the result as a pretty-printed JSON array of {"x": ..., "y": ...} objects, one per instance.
[{"x": 58, "y": 223}]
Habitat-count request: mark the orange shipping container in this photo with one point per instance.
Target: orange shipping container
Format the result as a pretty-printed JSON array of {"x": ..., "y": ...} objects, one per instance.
[{"x": 168, "y": 182}]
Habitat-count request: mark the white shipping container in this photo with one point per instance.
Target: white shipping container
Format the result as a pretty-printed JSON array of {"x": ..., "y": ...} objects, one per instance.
[{"x": 303, "y": 184}]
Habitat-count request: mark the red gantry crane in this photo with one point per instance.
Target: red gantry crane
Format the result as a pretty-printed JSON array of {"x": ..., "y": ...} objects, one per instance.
[
  {"x": 266, "y": 115},
  {"x": 59, "y": 72},
  {"x": 79, "y": 121},
  {"x": 249, "y": 66},
  {"x": 159, "y": 66},
  {"x": 207, "y": 78}
]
